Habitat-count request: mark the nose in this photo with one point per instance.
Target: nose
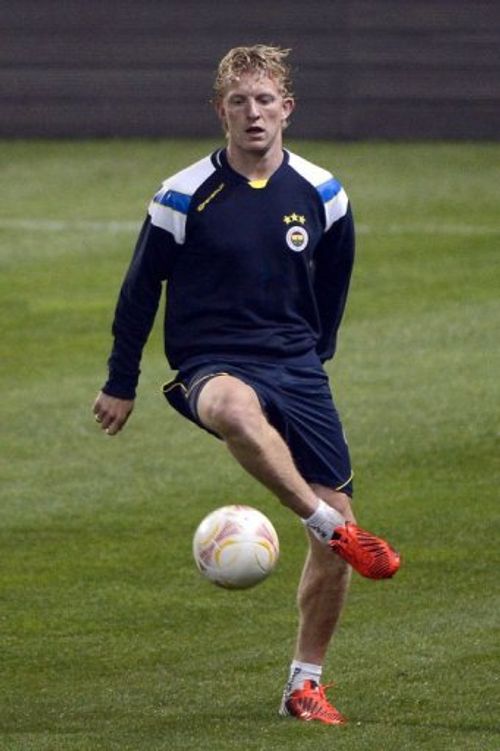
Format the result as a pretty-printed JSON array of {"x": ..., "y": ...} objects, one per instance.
[{"x": 252, "y": 109}]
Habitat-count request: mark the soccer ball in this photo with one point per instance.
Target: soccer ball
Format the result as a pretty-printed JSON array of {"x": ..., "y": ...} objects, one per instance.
[{"x": 235, "y": 547}]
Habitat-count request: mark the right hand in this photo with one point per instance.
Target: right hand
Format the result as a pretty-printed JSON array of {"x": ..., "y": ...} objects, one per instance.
[{"x": 112, "y": 413}]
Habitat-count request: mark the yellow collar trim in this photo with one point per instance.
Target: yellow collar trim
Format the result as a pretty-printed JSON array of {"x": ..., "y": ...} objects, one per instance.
[{"x": 258, "y": 184}]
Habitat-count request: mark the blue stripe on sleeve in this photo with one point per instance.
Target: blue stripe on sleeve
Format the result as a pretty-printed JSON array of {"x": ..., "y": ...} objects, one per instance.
[
  {"x": 174, "y": 200},
  {"x": 329, "y": 189}
]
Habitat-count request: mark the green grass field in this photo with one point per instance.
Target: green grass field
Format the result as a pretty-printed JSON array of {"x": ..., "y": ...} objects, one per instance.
[{"x": 109, "y": 638}]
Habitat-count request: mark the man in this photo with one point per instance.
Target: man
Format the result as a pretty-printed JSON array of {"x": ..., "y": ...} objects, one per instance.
[{"x": 256, "y": 246}]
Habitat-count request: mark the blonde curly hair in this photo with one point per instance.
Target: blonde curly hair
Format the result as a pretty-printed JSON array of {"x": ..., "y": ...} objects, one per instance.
[{"x": 260, "y": 58}]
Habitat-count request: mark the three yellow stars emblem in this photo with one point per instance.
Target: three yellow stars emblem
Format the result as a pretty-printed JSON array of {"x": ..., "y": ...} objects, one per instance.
[{"x": 294, "y": 218}]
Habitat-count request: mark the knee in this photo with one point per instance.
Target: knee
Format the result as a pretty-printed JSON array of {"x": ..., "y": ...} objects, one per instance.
[
  {"x": 340, "y": 501},
  {"x": 232, "y": 411},
  {"x": 325, "y": 573}
]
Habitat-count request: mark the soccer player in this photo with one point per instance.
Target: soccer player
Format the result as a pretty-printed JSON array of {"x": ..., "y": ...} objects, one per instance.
[{"x": 255, "y": 246}]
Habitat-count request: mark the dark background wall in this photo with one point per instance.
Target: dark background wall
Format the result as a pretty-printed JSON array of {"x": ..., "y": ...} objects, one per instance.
[{"x": 363, "y": 69}]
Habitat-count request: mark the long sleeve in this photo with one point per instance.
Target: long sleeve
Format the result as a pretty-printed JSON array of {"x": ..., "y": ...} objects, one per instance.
[
  {"x": 334, "y": 260},
  {"x": 137, "y": 306}
]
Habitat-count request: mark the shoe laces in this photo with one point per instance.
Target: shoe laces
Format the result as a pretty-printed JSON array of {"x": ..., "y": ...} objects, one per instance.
[{"x": 314, "y": 703}]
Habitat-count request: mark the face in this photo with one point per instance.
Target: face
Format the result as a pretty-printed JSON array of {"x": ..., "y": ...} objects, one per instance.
[{"x": 254, "y": 112}]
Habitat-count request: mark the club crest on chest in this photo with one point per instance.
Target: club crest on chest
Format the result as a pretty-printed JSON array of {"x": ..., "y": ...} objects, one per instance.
[{"x": 297, "y": 236}]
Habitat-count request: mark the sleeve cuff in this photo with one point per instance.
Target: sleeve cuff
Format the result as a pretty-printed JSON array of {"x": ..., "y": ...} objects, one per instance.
[{"x": 119, "y": 389}]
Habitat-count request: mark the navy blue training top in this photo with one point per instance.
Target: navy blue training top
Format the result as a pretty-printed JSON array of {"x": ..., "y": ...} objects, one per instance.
[{"x": 254, "y": 270}]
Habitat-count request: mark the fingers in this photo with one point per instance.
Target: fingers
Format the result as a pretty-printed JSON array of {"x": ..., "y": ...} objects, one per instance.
[
  {"x": 111, "y": 413},
  {"x": 110, "y": 422}
]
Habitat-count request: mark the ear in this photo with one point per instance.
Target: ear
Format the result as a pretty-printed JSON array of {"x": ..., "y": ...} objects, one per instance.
[
  {"x": 219, "y": 108},
  {"x": 221, "y": 114},
  {"x": 288, "y": 107}
]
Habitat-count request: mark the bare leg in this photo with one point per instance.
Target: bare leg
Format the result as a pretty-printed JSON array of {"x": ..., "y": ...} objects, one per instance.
[
  {"x": 229, "y": 407},
  {"x": 322, "y": 589}
]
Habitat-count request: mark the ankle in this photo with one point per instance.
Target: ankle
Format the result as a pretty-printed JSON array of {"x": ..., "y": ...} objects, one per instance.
[
  {"x": 323, "y": 521},
  {"x": 300, "y": 672}
]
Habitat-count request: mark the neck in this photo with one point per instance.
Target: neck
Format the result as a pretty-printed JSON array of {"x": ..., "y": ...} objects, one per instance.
[{"x": 254, "y": 165}]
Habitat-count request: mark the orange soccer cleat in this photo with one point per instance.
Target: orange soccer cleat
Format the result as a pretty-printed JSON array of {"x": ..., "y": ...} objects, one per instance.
[
  {"x": 369, "y": 555},
  {"x": 310, "y": 703}
]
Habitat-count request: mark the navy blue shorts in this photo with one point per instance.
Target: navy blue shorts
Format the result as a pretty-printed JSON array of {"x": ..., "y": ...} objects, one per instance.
[{"x": 296, "y": 400}]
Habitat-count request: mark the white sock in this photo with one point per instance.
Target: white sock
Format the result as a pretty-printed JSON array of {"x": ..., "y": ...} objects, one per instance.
[
  {"x": 300, "y": 672},
  {"x": 323, "y": 521}
]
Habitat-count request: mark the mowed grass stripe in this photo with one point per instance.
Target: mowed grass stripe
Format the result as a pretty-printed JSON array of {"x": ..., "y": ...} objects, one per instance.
[{"x": 117, "y": 226}]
